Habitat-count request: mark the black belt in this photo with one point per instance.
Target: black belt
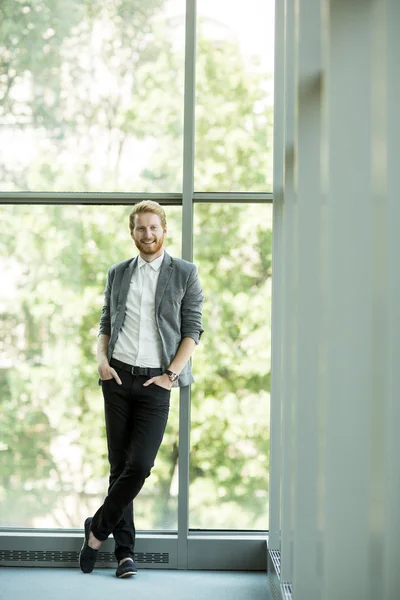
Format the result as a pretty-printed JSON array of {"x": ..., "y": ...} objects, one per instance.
[{"x": 146, "y": 371}]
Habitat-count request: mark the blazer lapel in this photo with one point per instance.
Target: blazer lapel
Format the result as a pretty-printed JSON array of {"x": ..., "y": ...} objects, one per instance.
[
  {"x": 165, "y": 273},
  {"x": 125, "y": 283}
]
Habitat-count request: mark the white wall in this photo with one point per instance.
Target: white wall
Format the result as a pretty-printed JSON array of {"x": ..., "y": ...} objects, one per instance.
[{"x": 335, "y": 450}]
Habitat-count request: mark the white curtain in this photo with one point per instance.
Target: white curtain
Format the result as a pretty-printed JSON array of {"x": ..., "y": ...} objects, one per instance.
[{"x": 335, "y": 448}]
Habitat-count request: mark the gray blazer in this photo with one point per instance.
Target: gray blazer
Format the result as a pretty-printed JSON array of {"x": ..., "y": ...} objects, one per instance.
[{"x": 178, "y": 306}]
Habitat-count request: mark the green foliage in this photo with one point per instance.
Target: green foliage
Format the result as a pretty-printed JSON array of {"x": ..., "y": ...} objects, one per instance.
[
  {"x": 233, "y": 150},
  {"x": 53, "y": 457}
]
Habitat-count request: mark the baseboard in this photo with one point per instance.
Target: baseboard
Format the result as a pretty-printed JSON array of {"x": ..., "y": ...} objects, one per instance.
[{"x": 153, "y": 551}]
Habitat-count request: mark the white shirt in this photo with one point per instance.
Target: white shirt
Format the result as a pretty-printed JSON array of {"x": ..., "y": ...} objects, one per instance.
[{"x": 138, "y": 341}]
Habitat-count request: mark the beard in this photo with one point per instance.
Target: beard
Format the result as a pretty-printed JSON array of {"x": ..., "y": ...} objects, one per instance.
[{"x": 149, "y": 249}]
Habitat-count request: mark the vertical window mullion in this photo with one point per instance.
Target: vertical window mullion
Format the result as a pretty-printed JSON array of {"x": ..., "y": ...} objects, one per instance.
[{"x": 187, "y": 254}]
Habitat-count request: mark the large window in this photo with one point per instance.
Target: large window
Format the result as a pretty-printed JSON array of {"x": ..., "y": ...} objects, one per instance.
[
  {"x": 230, "y": 410},
  {"x": 53, "y": 452},
  {"x": 91, "y": 95},
  {"x": 92, "y": 103},
  {"x": 234, "y": 96}
]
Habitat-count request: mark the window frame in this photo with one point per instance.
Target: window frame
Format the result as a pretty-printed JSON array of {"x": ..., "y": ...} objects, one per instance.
[{"x": 186, "y": 549}]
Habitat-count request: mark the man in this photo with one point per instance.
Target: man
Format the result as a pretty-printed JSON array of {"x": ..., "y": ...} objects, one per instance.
[{"x": 149, "y": 327}]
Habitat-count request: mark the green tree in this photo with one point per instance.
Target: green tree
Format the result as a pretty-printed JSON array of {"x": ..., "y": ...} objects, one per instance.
[{"x": 79, "y": 77}]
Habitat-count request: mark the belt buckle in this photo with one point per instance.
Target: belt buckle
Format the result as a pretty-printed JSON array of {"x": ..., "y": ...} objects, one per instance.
[{"x": 139, "y": 370}]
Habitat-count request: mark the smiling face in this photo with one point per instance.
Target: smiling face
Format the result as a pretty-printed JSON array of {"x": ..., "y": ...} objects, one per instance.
[{"x": 148, "y": 235}]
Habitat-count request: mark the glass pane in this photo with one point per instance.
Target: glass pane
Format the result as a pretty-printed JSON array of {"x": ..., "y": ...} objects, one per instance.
[
  {"x": 234, "y": 96},
  {"x": 91, "y": 95},
  {"x": 229, "y": 459},
  {"x": 53, "y": 455}
]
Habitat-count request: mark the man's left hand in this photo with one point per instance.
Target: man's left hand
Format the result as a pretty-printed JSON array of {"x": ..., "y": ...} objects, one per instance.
[{"x": 161, "y": 380}]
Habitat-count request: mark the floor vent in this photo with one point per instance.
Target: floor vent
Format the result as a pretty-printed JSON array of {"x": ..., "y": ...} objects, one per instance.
[
  {"x": 280, "y": 590},
  {"x": 39, "y": 556},
  {"x": 286, "y": 591},
  {"x": 159, "y": 558},
  {"x": 276, "y": 558},
  {"x": 148, "y": 558},
  {"x": 47, "y": 556}
]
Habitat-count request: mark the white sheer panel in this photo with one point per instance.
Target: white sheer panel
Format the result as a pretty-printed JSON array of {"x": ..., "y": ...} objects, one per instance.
[
  {"x": 339, "y": 281},
  {"x": 308, "y": 258},
  {"x": 349, "y": 303},
  {"x": 274, "y": 540},
  {"x": 289, "y": 306},
  {"x": 390, "y": 523}
]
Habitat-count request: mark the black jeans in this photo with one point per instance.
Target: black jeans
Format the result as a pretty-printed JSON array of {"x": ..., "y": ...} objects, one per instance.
[{"x": 136, "y": 418}]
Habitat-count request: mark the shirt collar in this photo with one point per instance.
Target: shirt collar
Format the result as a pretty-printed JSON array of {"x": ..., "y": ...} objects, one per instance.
[{"x": 154, "y": 264}]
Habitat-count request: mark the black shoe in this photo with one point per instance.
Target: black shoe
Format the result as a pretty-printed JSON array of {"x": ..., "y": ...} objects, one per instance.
[
  {"x": 127, "y": 569},
  {"x": 87, "y": 556}
]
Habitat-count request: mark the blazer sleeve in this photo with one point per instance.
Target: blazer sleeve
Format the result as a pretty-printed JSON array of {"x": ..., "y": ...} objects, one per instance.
[
  {"x": 191, "y": 308},
  {"x": 105, "y": 319}
]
